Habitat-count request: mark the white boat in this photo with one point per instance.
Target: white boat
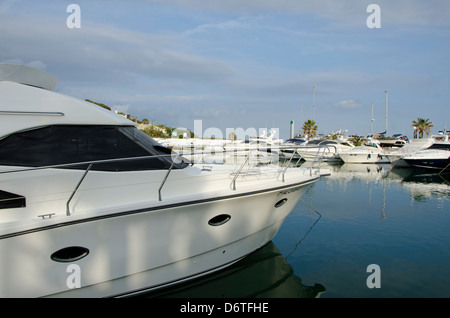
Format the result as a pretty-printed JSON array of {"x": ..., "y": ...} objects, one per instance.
[
  {"x": 396, "y": 156},
  {"x": 439, "y": 142},
  {"x": 197, "y": 150},
  {"x": 90, "y": 206},
  {"x": 287, "y": 153},
  {"x": 395, "y": 141},
  {"x": 368, "y": 153},
  {"x": 436, "y": 156},
  {"x": 260, "y": 149},
  {"x": 436, "y": 159},
  {"x": 323, "y": 149}
]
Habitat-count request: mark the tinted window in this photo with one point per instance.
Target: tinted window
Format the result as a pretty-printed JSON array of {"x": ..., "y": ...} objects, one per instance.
[
  {"x": 440, "y": 145},
  {"x": 54, "y": 145},
  {"x": 10, "y": 200}
]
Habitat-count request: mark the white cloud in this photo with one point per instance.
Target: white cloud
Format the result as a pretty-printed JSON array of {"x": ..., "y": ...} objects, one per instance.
[
  {"x": 101, "y": 52},
  {"x": 153, "y": 69},
  {"x": 227, "y": 25},
  {"x": 348, "y": 104}
]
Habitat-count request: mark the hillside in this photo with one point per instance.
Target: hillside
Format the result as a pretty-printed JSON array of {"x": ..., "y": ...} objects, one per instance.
[{"x": 152, "y": 129}]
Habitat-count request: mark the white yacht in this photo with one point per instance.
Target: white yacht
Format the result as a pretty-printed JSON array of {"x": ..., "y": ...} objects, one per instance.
[
  {"x": 370, "y": 152},
  {"x": 395, "y": 141},
  {"x": 415, "y": 145},
  {"x": 90, "y": 206},
  {"x": 260, "y": 149},
  {"x": 436, "y": 156},
  {"x": 323, "y": 149},
  {"x": 197, "y": 150},
  {"x": 435, "y": 142},
  {"x": 437, "y": 159},
  {"x": 292, "y": 153}
]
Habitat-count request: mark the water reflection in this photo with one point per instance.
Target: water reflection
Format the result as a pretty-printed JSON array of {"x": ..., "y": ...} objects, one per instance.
[
  {"x": 421, "y": 184},
  {"x": 265, "y": 273},
  {"x": 365, "y": 172},
  {"x": 312, "y": 225}
]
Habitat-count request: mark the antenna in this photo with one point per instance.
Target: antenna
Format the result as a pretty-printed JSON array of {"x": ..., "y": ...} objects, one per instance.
[{"x": 386, "y": 92}]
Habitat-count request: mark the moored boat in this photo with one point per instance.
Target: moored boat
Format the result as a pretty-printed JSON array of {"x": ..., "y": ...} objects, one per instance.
[
  {"x": 436, "y": 159},
  {"x": 291, "y": 153},
  {"x": 435, "y": 142},
  {"x": 415, "y": 145},
  {"x": 90, "y": 206},
  {"x": 371, "y": 152},
  {"x": 324, "y": 150}
]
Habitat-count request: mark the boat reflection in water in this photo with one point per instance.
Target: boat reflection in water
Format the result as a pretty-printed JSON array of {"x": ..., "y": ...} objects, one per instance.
[
  {"x": 423, "y": 184},
  {"x": 264, "y": 273}
]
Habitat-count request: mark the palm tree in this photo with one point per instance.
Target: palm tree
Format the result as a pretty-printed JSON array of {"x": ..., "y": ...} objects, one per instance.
[
  {"x": 422, "y": 125},
  {"x": 310, "y": 128},
  {"x": 356, "y": 140}
]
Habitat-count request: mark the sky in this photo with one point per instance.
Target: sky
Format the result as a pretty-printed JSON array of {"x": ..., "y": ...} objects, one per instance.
[{"x": 249, "y": 64}]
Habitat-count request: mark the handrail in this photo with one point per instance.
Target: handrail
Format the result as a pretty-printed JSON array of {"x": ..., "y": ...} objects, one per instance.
[
  {"x": 90, "y": 165},
  {"x": 233, "y": 183},
  {"x": 175, "y": 158},
  {"x": 319, "y": 147},
  {"x": 76, "y": 188},
  {"x": 173, "y": 155},
  {"x": 82, "y": 163},
  {"x": 316, "y": 158},
  {"x": 324, "y": 147},
  {"x": 285, "y": 168},
  {"x": 165, "y": 178}
]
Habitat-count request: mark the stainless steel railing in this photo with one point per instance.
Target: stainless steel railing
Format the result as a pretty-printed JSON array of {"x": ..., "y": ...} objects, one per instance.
[{"x": 176, "y": 158}]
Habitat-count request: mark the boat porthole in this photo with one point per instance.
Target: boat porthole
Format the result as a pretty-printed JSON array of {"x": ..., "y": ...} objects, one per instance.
[
  {"x": 219, "y": 219},
  {"x": 70, "y": 254},
  {"x": 281, "y": 202}
]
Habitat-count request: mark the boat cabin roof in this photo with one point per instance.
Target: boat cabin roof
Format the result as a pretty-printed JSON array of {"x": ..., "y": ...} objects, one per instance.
[
  {"x": 25, "y": 107},
  {"x": 26, "y": 75},
  {"x": 60, "y": 130}
]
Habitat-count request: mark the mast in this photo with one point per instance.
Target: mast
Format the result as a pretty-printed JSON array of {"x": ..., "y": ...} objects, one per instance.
[
  {"x": 314, "y": 95},
  {"x": 386, "y": 92},
  {"x": 371, "y": 122},
  {"x": 301, "y": 120}
]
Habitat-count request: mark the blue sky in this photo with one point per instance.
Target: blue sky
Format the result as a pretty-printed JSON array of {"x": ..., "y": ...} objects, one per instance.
[{"x": 247, "y": 63}]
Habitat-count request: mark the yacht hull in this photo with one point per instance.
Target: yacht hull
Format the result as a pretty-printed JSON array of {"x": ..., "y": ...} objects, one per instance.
[
  {"x": 397, "y": 161},
  {"x": 363, "y": 158},
  {"x": 132, "y": 251},
  {"x": 437, "y": 164},
  {"x": 312, "y": 156},
  {"x": 429, "y": 159}
]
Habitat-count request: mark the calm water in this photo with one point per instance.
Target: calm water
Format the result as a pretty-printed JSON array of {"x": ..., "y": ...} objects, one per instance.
[{"x": 359, "y": 215}]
